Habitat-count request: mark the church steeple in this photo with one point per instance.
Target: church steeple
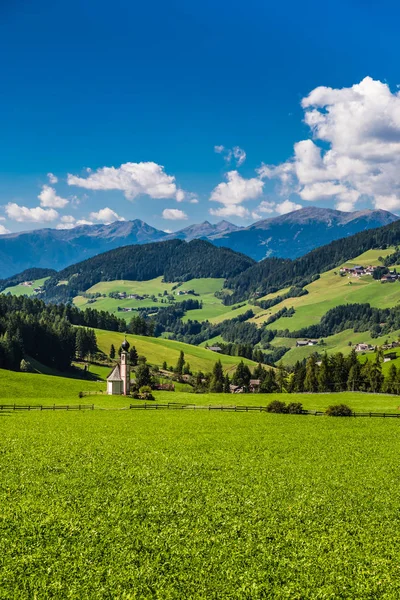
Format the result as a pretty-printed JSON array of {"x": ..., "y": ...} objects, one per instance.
[{"x": 125, "y": 369}]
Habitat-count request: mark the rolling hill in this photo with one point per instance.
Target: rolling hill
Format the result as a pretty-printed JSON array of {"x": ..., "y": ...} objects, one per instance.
[{"x": 174, "y": 260}]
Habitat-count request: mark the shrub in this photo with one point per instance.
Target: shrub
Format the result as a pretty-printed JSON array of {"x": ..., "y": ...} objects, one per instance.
[
  {"x": 276, "y": 406},
  {"x": 145, "y": 393},
  {"x": 339, "y": 410},
  {"x": 25, "y": 366},
  {"x": 294, "y": 408}
]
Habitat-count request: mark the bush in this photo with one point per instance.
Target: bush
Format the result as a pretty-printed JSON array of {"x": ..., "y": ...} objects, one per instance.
[
  {"x": 339, "y": 410},
  {"x": 25, "y": 366},
  {"x": 145, "y": 393},
  {"x": 294, "y": 408},
  {"x": 276, "y": 406}
]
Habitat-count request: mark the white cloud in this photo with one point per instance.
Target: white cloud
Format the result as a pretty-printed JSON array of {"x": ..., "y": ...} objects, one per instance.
[
  {"x": 133, "y": 179},
  {"x": 231, "y": 194},
  {"x": 234, "y": 210},
  {"x": 194, "y": 201},
  {"x": 266, "y": 207},
  {"x": 3, "y": 230},
  {"x": 69, "y": 222},
  {"x": 52, "y": 178},
  {"x": 49, "y": 199},
  {"x": 390, "y": 202},
  {"x": 355, "y": 150},
  {"x": 105, "y": 215},
  {"x": 173, "y": 214},
  {"x": 287, "y": 207},
  {"x": 180, "y": 196},
  {"x": 281, "y": 208},
  {"x": 65, "y": 226},
  {"x": 36, "y": 215},
  {"x": 235, "y": 154},
  {"x": 84, "y": 222}
]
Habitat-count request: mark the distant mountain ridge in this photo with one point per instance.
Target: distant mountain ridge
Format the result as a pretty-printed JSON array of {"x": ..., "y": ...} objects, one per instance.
[
  {"x": 287, "y": 236},
  {"x": 297, "y": 233}
]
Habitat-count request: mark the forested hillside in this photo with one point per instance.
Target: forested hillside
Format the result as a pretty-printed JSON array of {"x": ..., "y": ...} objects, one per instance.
[
  {"x": 174, "y": 260},
  {"x": 272, "y": 274}
]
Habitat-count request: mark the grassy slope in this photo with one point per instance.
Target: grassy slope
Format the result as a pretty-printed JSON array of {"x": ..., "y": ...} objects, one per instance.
[
  {"x": 330, "y": 291},
  {"x": 158, "y": 350},
  {"x": 213, "y": 309},
  {"x": 334, "y": 343},
  {"x": 150, "y": 505},
  {"x": 22, "y": 290},
  {"x": 205, "y": 288}
]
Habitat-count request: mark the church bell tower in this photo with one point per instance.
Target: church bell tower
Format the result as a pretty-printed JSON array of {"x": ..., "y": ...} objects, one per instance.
[{"x": 125, "y": 368}]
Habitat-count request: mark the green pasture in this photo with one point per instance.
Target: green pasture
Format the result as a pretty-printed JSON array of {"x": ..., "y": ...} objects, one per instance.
[
  {"x": 23, "y": 290},
  {"x": 200, "y": 505},
  {"x": 158, "y": 350},
  {"x": 205, "y": 288},
  {"x": 330, "y": 291},
  {"x": 340, "y": 342}
]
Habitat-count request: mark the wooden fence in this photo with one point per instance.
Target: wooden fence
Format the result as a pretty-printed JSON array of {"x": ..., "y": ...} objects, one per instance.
[
  {"x": 209, "y": 407},
  {"x": 7, "y": 407}
]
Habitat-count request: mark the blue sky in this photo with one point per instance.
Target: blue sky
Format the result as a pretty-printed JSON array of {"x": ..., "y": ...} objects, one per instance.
[{"x": 155, "y": 87}]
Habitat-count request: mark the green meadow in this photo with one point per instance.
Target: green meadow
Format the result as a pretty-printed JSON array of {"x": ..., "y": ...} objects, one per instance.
[
  {"x": 158, "y": 350},
  {"x": 202, "y": 505},
  {"x": 340, "y": 342},
  {"x": 330, "y": 291},
  {"x": 23, "y": 290}
]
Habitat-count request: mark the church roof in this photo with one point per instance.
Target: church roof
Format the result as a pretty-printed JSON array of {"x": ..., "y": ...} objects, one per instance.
[{"x": 115, "y": 374}]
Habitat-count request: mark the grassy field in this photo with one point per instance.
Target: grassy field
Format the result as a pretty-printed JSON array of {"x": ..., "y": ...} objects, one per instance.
[
  {"x": 330, "y": 291},
  {"x": 198, "y": 505},
  {"x": 213, "y": 309},
  {"x": 333, "y": 343},
  {"x": 23, "y": 290},
  {"x": 158, "y": 350},
  {"x": 205, "y": 288}
]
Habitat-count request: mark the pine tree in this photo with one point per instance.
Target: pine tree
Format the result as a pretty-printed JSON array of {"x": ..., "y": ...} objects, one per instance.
[
  {"x": 143, "y": 375},
  {"x": 242, "y": 375},
  {"x": 180, "y": 363},
  {"x": 133, "y": 356},
  {"x": 310, "y": 381},
  {"x": 227, "y": 383},
  {"x": 112, "y": 351},
  {"x": 390, "y": 385},
  {"x": 324, "y": 375},
  {"x": 217, "y": 379},
  {"x": 354, "y": 380},
  {"x": 281, "y": 378}
]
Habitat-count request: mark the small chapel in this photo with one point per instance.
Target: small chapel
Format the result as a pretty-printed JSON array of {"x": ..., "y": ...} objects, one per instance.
[{"x": 119, "y": 380}]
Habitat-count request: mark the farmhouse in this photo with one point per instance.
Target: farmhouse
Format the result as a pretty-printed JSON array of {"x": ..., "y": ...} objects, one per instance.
[
  {"x": 300, "y": 343},
  {"x": 364, "y": 347},
  {"x": 215, "y": 348}
]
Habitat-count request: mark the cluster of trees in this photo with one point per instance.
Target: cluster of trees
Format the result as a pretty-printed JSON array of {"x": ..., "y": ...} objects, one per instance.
[
  {"x": 337, "y": 373},
  {"x": 175, "y": 260},
  {"x": 28, "y": 327},
  {"x": 334, "y": 373}
]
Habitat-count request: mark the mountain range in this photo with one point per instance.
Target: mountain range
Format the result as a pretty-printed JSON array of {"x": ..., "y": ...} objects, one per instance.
[{"x": 291, "y": 235}]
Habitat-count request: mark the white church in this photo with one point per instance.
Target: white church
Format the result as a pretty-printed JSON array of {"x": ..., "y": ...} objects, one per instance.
[{"x": 119, "y": 380}]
